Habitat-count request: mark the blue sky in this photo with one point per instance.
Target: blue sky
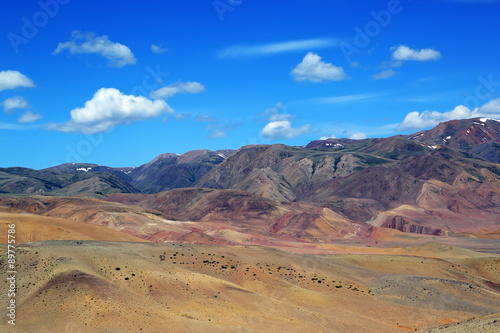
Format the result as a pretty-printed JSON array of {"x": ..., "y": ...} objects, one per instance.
[{"x": 119, "y": 82}]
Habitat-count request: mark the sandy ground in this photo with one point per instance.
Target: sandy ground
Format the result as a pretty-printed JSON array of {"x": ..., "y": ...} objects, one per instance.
[{"x": 98, "y": 286}]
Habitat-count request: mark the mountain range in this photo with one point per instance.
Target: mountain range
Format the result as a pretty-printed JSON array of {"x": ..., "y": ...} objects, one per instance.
[{"x": 443, "y": 181}]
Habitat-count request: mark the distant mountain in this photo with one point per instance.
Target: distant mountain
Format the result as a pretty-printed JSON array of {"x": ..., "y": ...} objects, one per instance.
[
  {"x": 442, "y": 181},
  {"x": 281, "y": 172},
  {"x": 23, "y": 180},
  {"x": 81, "y": 168},
  {"x": 168, "y": 171},
  {"x": 68, "y": 179},
  {"x": 480, "y": 136},
  {"x": 99, "y": 186}
]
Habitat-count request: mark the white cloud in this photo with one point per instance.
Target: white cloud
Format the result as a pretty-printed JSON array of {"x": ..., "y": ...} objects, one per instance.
[
  {"x": 109, "y": 108},
  {"x": 14, "y": 79},
  {"x": 416, "y": 120},
  {"x": 404, "y": 53},
  {"x": 313, "y": 69},
  {"x": 358, "y": 136},
  {"x": 118, "y": 54},
  {"x": 283, "y": 129},
  {"x": 177, "y": 88},
  {"x": 280, "y": 125},
  {"x": 158, "y": 49},
  {"x": 383, "y": 74},
  {"x": 279, "y": 47},
  {"x": 13, "y": 103},
  {"x": 29, "y": 117},
  {"x": 490, "y": 109}
]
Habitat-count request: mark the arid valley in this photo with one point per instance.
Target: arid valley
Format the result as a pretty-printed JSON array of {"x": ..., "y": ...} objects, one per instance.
[{"x": 376, "y": 235}]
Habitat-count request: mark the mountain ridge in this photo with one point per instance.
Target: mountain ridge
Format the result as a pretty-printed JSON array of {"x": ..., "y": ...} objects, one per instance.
[{"x": 421, "y": 183}]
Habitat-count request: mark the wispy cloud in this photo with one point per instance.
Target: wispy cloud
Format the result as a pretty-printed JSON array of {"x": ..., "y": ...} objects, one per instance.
[
  {"x": 13, "y": 127},
  {"x": 216, "y": 127},
  {"x": 182, "y": 116},
  {"x": 384, "y": 74},
  {"x": 347, "y": 98},
  {"x": 313, "y": 69},
  {"x": 205, "y": 118},
  {"x": 220, "y": 129},
  {"x": 237, "y": 51},
  {"x": 177, "y": 88},
  {"x": 118, "y": 54},
  {"x": 158, "y": 49},
  {"x": 29, "y": 117}
]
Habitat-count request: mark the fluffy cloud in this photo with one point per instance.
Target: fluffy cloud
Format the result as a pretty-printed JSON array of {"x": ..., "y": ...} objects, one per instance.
[
  {"x": 158, "y": 49},
  {"x": 312, "y": 68},
  {"x": 177, "y": 88},
  {"x": 358, "y": 136},
  {"x": 283, "y": 129},
  {"x": 384, "y": 74},
  {"x": 490, "y": 109},
  {"x": 13, "y": 103},
  {"x": 109, "y": 108},
  {"x": 118, "y": 54},
  {"x": 14, "y": 79},
  {"x": 404, "y": 53},
  {"x": 280, "y": 125},
  {"x": 279, "y": 47},
  {"x": 29, "y": 117},
  {"x": 416, "y": 120}
]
